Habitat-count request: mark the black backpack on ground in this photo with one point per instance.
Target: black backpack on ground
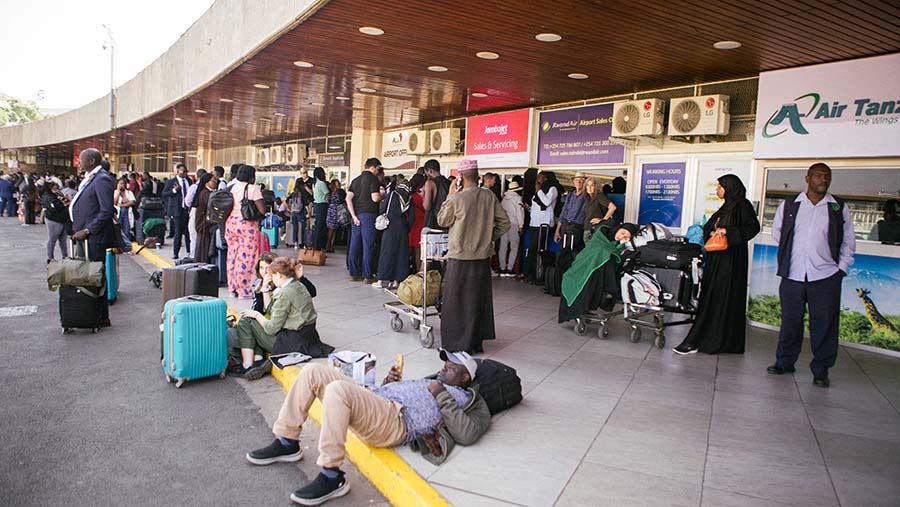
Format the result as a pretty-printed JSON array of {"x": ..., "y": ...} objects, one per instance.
[
  {"x": 498, "y": 385},
  {"x": 221, "y": 202}
]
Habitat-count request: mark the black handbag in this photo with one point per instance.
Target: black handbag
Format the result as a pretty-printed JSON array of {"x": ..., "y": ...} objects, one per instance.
[{"x": 248, "y": 209}]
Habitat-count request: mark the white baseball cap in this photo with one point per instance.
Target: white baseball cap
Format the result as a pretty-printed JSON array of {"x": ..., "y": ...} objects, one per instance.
[{"x": 461, "y": 358}]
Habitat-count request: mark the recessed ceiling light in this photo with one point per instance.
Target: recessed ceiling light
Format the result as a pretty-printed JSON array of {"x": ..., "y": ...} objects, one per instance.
[
  {"x": 479, "y": 95},
  {"x": 261, "y": 86},
  {"x": 128, "y": 134},
  {"x": 322, "y": 126},
  {"x": 248, "y": 122},
  {"x": 548, "y": 37},
  {"x": 227, "y": 101},
  {"x": 223, "y": 129},
  {"x": 319, "y": 103},
  {"x": 160, "y": 124},
  {"x": 341, "y": 97},
  {"x": 303, "y": 65},
  {"x": 161, "y": 156},
  {"x": 371, "y": 30},
  {"x": 277, "y": 114},
  {"x": 368, "y": 90},
  {"x": 487, "y": 55},
  {"x": 199, "y": 111},
  {"x": 148, "y": 158},
  {"x": 437, "y": 68},
  {"x": 578, "y": 75},
  {"x": 727, "y": 44},
  {"x": 177, "y": 156},
  {"x": 111, "y": 137},
  {"x": 179, "y": 119},
  {"x": 152, "y": 145},
  {"x": 235, "y": 139},
  {"x": 180, "y": 137},
  {"x": 334, "y": 147},
  {"x": 142, "y": 130}
]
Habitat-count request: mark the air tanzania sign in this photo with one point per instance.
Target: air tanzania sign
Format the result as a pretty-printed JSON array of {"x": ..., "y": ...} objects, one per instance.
[{"x": 834, "y": 110}]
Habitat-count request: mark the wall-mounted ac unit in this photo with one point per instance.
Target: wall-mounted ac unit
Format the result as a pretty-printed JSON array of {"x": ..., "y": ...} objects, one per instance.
[
  {"x": 418, "y": 142},
  {"x": 262, "y": 157},
  {"x": 638, "y": 118},
  {"x": 276, "y": 155},
  {"x": 444, "y": 141},
  {"x": 698, "y": 116},
  {"x": 294, "y": 154}
]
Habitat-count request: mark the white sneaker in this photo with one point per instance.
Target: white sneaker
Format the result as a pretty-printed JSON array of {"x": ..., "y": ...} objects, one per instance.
[{"x": 378, "y": 285}]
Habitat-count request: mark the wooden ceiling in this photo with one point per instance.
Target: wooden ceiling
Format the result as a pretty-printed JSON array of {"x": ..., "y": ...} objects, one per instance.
[{"x": 622, "y": 46}]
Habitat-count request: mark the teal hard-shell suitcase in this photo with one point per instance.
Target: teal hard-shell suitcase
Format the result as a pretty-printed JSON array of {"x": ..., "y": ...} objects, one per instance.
[
  {"x": 112, "y": 276},
  {"x": 195, "y": 337},
  {"x": 272, "y": 233}
]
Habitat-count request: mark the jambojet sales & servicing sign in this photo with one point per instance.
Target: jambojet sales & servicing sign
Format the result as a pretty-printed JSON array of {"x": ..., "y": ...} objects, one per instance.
[
  {"x": 835, "y": 110},
  {"x": 499, "y": 140}
]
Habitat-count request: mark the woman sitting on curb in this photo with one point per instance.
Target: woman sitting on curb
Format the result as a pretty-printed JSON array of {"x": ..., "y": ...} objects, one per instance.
[{"x": 290, "y": 327}]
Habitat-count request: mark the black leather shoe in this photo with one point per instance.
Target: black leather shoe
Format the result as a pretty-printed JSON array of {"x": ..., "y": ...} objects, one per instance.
[
  {"x": 821, "y": 382},
  {"x": 778, "y": 370}
]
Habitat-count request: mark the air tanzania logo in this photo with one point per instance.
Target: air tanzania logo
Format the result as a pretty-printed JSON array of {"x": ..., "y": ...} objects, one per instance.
[{"x": 807, "y": 109}]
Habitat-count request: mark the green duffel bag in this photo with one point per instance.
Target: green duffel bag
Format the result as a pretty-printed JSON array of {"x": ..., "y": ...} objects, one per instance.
[
  {"x": 74, "y": 273},
  {"x": 410, "y": 290}
]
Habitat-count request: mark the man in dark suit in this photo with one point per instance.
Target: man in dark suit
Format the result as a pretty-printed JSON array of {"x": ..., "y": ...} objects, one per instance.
[
  {"x": 92, "y": 214},
  {"x": 174, "y": 192}
]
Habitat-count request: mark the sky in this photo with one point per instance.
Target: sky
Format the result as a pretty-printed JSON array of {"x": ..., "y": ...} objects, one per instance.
[{"x": 44, "y": 45}]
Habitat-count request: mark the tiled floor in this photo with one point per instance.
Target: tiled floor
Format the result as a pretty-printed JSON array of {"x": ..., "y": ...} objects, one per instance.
[{"x": 610, "y": 422}]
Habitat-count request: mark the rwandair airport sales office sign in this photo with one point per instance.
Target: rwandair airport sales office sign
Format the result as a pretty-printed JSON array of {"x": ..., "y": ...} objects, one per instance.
[{"x": 844, "y": 109}]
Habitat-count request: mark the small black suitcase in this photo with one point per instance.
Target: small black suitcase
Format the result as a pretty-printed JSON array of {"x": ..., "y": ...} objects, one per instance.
[
  {"x": 195, "y": 279},
  {"x": 79, "y": 309},
  {"x": 666, "y": 253},
  {"x": 677, "y": 287}
]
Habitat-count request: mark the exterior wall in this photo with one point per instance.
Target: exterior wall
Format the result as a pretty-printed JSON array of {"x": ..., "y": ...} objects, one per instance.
[{"x": 228, "y": 33}]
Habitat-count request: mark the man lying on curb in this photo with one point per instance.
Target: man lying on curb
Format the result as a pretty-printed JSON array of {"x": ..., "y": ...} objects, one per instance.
[{"x": 430, "y": 414}]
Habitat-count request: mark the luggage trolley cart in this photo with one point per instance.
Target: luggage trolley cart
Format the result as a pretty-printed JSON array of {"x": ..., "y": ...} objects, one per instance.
[
  {"x": 434, "y": 247},
  {"x": 600, "y": 317},
  {"x": 672, "y": 300}
]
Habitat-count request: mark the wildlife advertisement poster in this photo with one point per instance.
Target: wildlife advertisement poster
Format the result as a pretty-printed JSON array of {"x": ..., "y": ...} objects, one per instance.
[
  {"x": 282, "y": 185},
  {"x": 870, "y": 297}
]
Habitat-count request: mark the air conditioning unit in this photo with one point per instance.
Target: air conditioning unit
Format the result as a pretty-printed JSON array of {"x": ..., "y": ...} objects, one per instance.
[
  {"x": 699, "y": 116},
  {"x": 444, "y": 141},
  {"x": 418, "y": 142},
  {"x": 276, "y": 155},
  {"x": 638, "y": 118},
  {"x": 294, "y": 154},
  {"x": 262, "y": 157}
]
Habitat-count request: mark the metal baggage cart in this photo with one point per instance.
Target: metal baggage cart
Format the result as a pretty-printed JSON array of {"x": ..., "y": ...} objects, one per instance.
[{"x": 434, "y": 247}]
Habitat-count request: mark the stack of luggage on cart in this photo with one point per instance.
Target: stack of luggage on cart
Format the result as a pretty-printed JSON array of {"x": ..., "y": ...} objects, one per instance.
[{"x": 640, "y": 273}]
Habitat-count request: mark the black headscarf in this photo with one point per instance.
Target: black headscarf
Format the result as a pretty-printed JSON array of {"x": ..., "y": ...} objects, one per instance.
[{"x": 735, "y": 194}]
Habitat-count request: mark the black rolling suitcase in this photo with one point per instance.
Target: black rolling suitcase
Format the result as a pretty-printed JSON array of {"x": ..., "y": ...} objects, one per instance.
[
  {"x": 553, "y": 275},
  {"x": 665, "y": 253},
  {"x": 80, "y": 308},
  {"x": 677, "y": 287},
  {"x": 195, "y": 279},
  {"x": 544, "y": 258}
]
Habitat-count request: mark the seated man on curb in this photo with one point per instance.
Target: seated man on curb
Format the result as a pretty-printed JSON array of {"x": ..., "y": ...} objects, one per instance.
[{"x": 398, "y": 412}]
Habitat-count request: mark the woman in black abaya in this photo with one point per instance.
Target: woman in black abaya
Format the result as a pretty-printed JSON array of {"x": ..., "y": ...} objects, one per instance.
[{"x": 722, "y": 316}]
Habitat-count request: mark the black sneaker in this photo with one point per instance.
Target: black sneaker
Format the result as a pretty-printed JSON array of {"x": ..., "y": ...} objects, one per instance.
[
  {"x": 685, "y": 349},
  {"x": 236, "y": 369},
  {"x": 275, "y": 452},
  {"x": 259, "y": 370},
  {"x": 321, "y": 489}
]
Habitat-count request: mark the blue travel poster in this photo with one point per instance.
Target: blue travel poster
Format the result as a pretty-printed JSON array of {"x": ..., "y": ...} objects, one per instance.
[
  {"x": 662, "y": 193},
  {"x": 870, "y": 297},
  {"x": 282, "y": 185}
]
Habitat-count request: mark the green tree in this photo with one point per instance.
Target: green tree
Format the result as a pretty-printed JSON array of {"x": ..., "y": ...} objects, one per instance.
[{"x": 15, "y": 111}]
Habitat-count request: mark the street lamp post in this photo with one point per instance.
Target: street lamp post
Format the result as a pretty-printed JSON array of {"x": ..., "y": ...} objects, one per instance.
[{"x": 112, "y": 78}]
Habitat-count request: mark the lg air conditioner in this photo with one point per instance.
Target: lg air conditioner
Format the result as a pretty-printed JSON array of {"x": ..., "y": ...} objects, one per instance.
[
  {"x": 262, "y": 157},
  {"x": 276, "y": 155},
  {"x": 444, "y": 141},
  {"x": 699, "y": 116},
  {"x": 294, "y": 154},
  {"x": 638, "y": 118},
  {"x": 417, "y": 142}
]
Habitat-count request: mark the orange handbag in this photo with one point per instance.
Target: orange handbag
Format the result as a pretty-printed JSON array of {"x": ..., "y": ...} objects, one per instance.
[{"x": 716, "y": 243}]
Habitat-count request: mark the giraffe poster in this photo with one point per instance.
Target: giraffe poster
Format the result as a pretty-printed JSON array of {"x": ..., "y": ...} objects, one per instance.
[{"x": 870, "y": 297}]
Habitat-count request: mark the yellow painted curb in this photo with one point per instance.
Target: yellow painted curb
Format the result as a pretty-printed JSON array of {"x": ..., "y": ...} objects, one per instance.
[{"x": 390, "y": 473}]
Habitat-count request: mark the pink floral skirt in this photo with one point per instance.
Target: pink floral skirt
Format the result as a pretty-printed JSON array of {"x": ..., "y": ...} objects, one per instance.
[{"x": 243, "y": 250}]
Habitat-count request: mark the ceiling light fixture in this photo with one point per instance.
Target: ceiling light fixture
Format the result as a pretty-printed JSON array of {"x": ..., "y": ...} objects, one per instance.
[
  {"x": 278, "y": 114},
  {"x": 303, "y": 65},
  {"x": 319, "y": 103},
  {"x": 479, "y": 95},
  {"x": 578, "y": 75},
  {"x": 179, "y": 119},
  {"x": 341, "y": 97},
  {"x": 487, "y": 55},
  {"x": 199, "y": 111},
  {"x": 142, "y": 130},
  {"x": 727, "y": 44},
  {"x": 371, "y": 30},
  {"x": 334, "y": 147},
  {"x": 148, "y": 158},
  {"x": 368, "y": 90},
  {"x": 160, "y": 124},
  {"x": 227, "y": 101},
  {"x": 438, "y": 68},
  {"x": 548, "y": 37},
  {"x": 128, "y": 134},
  {"x": 261, "y": 86}
]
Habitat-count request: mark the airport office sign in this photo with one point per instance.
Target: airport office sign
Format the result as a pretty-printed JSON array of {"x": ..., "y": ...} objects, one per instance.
[
  {"x": 578, "y": 136},
  {"x": 499, "y": 140},
  {"x": 844, "y": 109}
]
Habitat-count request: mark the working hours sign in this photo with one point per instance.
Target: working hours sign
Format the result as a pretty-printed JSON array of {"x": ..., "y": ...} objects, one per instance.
[
  {"x": 662, "y": 193},
  {"x": 845, "y": 109}
]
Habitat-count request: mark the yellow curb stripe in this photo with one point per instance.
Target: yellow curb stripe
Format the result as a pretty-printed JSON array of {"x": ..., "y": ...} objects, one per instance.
[{"x": 390, "y": 473}]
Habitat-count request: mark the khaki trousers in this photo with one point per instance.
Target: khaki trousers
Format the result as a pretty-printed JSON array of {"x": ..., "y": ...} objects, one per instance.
[{"x": 376, "y": 420}]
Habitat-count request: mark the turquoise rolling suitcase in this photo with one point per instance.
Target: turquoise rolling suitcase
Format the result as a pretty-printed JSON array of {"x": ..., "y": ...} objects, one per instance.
[
  {"x": 272, "y": 233},
  {"x": 195, "y": 337},
  {"x": 112, "y": 276}
]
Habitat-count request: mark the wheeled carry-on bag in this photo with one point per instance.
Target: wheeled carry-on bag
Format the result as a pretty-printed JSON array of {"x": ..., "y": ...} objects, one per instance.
[
  {"x": 112, "y": 276},
  {"x": 272, "y": 233},
  {"x": 677, "y": 287},
  {"x": 195, "y": 279},
  {"x": 544, "y": 258},
  {"x": 80, "y": 308},
  {"x": 195, "y": 339}
]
